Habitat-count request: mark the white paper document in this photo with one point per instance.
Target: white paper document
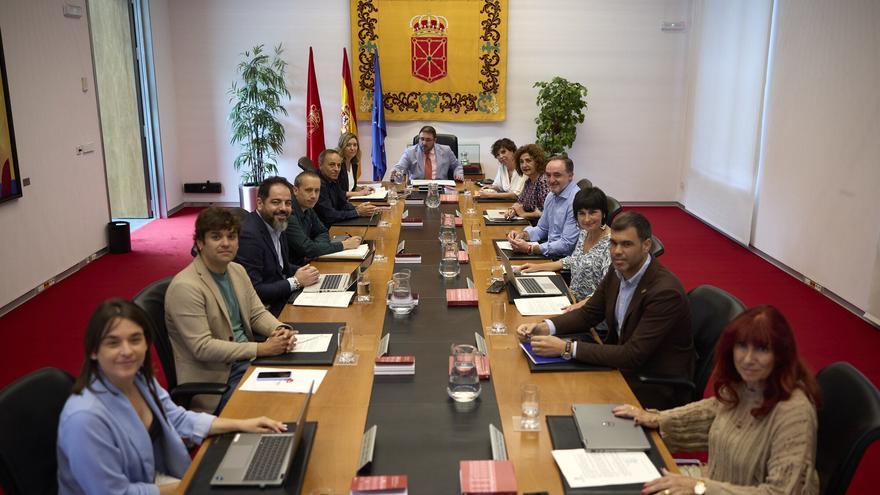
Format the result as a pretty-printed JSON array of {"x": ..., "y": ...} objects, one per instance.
[
  {"x": 357, "y": 253},
  {"x": 425, "y": 182},
  {"x": 504, "y": 245},
  {"x": 378, "y": 193},
  {"x": 584, "y": 469},
  {"x": 312, "y": 342},
  {"x": 534, "y": 306},
  {"x": 534, "y": 274},
  {"x": 298, "y": 383},
  {"x": 324, "y": 299},
  {"x": 500, "y": 215}
]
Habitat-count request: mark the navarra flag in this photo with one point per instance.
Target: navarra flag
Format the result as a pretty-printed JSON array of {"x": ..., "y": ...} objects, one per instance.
[
  {"x": 348, "y": 121},
  {"x": 314, "y": 117},
  {"x": 378, "y": 120}
]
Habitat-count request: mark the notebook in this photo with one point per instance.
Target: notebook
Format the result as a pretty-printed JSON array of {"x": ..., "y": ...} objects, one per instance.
[
  {"x": 529, "y": 286},
  {"x": 602, "y": 431},
  {"x": 261, "y": 459}
]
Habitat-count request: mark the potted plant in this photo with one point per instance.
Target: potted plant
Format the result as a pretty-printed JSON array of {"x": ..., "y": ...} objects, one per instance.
[
  {"x": 561, "y": 105},
  {"x": 256, "y": 100}
]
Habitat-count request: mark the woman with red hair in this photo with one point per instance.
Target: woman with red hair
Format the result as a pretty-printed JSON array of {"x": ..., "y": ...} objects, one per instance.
[{"x": 760, "y": 426}]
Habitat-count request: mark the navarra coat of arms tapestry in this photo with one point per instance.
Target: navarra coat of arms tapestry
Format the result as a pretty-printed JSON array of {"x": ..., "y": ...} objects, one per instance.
[{"x": 438, "y": 59}]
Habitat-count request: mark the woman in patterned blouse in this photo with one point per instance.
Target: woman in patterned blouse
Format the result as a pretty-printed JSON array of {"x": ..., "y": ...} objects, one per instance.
[
  {"x": 530, "y": 162},
  {"x": 760, "y": 426},
  {"x": 590, "y": 259}
]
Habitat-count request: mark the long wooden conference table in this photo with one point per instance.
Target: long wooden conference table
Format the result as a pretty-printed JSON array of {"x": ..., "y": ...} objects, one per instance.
[{"x": 422, "y": 433}]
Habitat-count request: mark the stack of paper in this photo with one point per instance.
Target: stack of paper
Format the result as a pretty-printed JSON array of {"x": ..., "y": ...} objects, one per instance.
[
  {"x": 487, "y": 477},
  {"x": 378, "y": 193},
  {"x": 536, "y": 306},
  {"x": 395, "y": 365},
  {"x": 404, "y": 258},
  {"x": 448, "y": 198},
  {"x": 586, "y": 469},
  {"x": 496, "y": 215},
  {"x": 386, "y": 485},
  {"x": 357, "y": 253},
  {"x": 299, "y": 382},
  {"x": 425, "y": 182},
  {"x": 461, "y": 297},
  {"x": 412, "y": 222},
  {"x": 324, "y": 299}
]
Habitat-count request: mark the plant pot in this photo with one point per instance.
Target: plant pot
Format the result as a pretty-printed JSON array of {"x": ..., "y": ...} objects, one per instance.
[{"x": 247, "y": 196}]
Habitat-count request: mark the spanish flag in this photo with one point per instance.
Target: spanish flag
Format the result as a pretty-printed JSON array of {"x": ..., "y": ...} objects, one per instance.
[{"x": 348, "y": 116}]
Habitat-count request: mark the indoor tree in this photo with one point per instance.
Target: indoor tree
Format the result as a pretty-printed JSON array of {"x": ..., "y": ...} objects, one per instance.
[{"x": 561, "y": 107}]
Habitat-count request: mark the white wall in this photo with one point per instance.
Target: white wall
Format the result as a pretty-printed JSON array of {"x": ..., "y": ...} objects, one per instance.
[
  {"x": 62, "y": 217},
  {"x": 631, "y": 143},
  {"x": 820, "y": 172}
]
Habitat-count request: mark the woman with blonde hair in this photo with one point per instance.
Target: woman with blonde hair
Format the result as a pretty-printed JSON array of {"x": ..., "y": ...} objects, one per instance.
[{"x": 350, "y": 149}]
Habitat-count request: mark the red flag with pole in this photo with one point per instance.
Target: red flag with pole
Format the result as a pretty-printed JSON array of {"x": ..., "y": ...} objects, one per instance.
[
  {"x": 314, "y": 117},
  {"x": 348, "y": 114}
]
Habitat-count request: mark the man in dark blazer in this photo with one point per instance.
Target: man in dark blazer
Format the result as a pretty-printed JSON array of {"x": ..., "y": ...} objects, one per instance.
[
  {"x": 263, "y": 249},
  {"x": 647, "y": 313},
  {"x": 333, "y": 206},
  {"x": 306, "y": 237}
]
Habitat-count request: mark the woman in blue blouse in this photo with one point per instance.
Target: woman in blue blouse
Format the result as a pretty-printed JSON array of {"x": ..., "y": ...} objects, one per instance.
[
  {"x": 590, "y": 259},
  {"x": 119, "y": 432}
]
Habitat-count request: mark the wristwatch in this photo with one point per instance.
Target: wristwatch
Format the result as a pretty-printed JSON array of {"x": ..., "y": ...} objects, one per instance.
[
  {"x": 700, "y": 487},
  {"x": 566, "y": 354}
]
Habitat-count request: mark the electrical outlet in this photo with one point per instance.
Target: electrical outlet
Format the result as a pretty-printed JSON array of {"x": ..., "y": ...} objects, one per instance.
[
  {"x": 93, "y": 257},
  {"x": 813, "y": 284}
]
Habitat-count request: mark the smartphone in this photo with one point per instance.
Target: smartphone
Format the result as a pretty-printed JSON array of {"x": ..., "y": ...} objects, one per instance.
[
  {"x": 496, "y": 287},
  {"x": 273, "y": 375}
]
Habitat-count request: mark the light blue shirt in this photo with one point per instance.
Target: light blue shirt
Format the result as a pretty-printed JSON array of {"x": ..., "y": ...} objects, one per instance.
[
  {"x": 557, "y": 224},
  {"x": 626, "y": 291}
]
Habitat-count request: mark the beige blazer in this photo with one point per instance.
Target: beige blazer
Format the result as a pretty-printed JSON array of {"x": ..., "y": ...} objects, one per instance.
[{"x": 200, "y": 329}]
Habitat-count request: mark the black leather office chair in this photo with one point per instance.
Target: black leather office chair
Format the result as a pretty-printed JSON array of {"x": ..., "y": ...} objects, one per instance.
[
  {"x": 306, "y": 164},
  {"x": 657, "y": 248},
  {"x": 585, "y": 184},
  {"x": 448, "y": 140},
  {"x": 711, "y": 310},
  {"x": 29, "y": 412},
  {"x": 614, "y": 208},
  {"x": 152, "y": 300},
  {"x": 849, "y": 422}
]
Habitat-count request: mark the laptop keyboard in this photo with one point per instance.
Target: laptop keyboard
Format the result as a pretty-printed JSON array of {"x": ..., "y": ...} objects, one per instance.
[
  {"x": 331, "y": 282},
  {"x": 530, "y": 286},
  {"x": 268, "y": 458}
]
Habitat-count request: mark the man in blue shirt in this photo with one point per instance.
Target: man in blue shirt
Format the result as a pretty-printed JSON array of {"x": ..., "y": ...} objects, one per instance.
[
  {"x": 557, "y": 227},
  {"x": 428, "y": 160}
]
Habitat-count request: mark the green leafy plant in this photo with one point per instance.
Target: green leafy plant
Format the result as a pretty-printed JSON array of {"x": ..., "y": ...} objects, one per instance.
[
  {"x": 561, "y": 105},
  {"x": 256, "y": 100}
]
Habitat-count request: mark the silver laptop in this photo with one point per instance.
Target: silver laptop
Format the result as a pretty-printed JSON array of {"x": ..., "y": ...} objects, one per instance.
[
  {"x": 602, "y": 431},
  {"x": 528, "y": 285},
  {"x": 339, "y": 282},
  {"x": 261, "y": 459}
]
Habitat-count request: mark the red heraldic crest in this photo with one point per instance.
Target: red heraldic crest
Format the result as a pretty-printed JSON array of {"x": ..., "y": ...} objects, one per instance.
[{"x": 429, "y": 47}]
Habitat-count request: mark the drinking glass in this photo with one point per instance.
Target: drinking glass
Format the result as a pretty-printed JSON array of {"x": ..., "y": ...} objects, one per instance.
[
  {"x": 499, "y": 316},
  {"x": 392, "y": 196},
  {"x": 400, "y": 290},
  {"x": 464, "y": 384},
  {"x": 432, "y": 200},
  {"x": 379, "y": 246},
  {"x": 529, "y": 407},
  {"x": 496, "y": 272},
  {"x": 345, "y": 340},
  {"x": 384, "y": 219},
  {"x": 363, "y": 288},
  {"x": 475, "y": 234},
  {"x": 449, "y": 265}
]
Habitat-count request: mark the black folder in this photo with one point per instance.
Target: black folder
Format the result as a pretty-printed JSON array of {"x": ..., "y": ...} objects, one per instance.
[
  {"x": 491, "y": 223},
  {"x": 358, "y": 222},
  {"x": 306, "y": 358},
  {"x": 564, "y": 435},
  {"x": 517, "y": 256},
  {"x": 558, "y": 281},
  {"x": 201, "y": 480}
]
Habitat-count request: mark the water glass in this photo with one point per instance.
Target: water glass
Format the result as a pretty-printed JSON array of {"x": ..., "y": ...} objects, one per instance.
[
  {"x": 432, "y": 200},
  {"x": 363, "y": 288},
  {"x": 529, "y": 407},
  {"x": 345, "y": 340},
  {"x": 499, "y": 317},
  {"x": 400, "y": 290},
  {"x": 496, "y": 273},
  {"x": 384, "y": 217},
  {"x": 449, "y": 265},
  {"x": 464, "y": 384},
  {"x": 379, "y": 246},
  {"x": 392, "y": 196},
  {"x": 475, "y": 234}
]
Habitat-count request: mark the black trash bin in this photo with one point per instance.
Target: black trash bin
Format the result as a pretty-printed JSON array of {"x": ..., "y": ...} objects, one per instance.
[{"x": 119, "y": 237}]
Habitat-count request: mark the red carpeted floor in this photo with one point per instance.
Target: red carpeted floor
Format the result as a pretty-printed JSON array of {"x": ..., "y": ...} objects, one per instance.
[{"x": 48, "y": 330}]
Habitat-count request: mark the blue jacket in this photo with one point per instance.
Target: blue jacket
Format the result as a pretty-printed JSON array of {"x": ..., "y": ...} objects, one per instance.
[
  {"x": 256, "y": 253},
  {"x": 332, "y": 205},
  {"x": 412, "y": 162},
  {"x": 104, "y": 448}
]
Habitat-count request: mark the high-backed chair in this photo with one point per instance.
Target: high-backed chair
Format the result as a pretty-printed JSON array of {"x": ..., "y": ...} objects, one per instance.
[
  {"x": 711, "y": 310},
  {"x": 585, "y": 184},
  {"x": 614, "y": 208},
  {"x": 306, "y": 164},
  {"x": 29, "y": 412},
  {"x": 448, "y": 140},
  {"x": 657, "y": 248},
  {"x": 849, "y": 422},
  {"x": 152, "y": 300}
]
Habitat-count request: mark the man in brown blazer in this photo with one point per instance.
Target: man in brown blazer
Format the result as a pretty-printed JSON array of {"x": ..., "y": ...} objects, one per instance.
[
  {"x": 212, "y": 312},
  {"x": 647, "y": 313}
]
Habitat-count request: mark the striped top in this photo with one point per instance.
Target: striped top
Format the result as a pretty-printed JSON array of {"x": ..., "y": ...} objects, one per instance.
[{"x": 773, "y": 454}]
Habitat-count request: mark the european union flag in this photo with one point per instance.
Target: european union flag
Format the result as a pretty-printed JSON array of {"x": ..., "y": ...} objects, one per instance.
[{"x": 379, "y": 129}]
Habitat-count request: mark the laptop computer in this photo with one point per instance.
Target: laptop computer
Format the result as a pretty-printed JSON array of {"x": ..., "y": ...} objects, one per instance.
[
  {"x": 340, "y": 282},
  {"x": 261, "y": 459},
  {"x": 602, "y": 431},
  {"x": 527, "y": 285}
]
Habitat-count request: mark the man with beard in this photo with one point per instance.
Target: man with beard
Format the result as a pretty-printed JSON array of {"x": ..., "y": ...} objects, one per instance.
[
  {"x": 429, "y": 160},
  {"x": 212, "y": 312},
  {"x": 263, "y": 250}
]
